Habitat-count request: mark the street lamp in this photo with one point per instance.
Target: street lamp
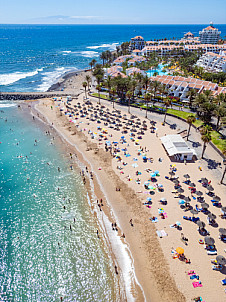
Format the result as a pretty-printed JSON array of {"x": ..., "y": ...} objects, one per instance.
[{"x": 224, "y": 162}]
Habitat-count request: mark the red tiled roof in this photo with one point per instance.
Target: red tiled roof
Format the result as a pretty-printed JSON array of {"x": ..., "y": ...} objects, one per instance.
[{"x": 210, "y": 28}]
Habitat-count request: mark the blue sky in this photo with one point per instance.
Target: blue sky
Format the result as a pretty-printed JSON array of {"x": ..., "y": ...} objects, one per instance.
[{"x": 113, "y": 11}]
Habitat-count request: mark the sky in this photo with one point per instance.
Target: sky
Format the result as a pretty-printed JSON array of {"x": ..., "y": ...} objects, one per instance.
[{"x": 112, "y": 11}]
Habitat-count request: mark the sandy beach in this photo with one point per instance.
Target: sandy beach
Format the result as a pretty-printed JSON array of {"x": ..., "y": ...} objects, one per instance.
[{"x": 91, "y": 131}]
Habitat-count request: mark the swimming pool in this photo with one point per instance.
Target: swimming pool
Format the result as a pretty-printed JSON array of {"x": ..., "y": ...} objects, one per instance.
[{"x": 159, "y": 70}]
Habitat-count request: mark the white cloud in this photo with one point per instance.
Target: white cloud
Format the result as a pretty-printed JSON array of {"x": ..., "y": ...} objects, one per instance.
[{"x": 84, "y": 17}]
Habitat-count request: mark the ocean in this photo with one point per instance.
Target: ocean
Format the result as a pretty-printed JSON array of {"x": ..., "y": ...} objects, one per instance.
[
  {"x": 33, "y": 57},
  {"x": 41, "y": 259}
]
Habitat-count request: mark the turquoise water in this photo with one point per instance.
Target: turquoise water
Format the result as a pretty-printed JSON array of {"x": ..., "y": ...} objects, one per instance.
[
  {"x": 159, "y": 70},
  {"x": 33, "y": 266}
]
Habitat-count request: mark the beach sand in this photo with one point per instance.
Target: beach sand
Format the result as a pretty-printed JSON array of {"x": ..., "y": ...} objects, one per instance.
[{"x": 161, "y": 277}]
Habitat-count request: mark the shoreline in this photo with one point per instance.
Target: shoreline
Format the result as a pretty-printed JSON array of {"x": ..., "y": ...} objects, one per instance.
[
  {"x": 104, "y": 219},
  {"x": 159, "y": 290},
  {"x": 59, "y": 84}
]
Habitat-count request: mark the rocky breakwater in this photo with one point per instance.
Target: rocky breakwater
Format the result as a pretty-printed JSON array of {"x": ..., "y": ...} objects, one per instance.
[{"x": 15, "y": 96}]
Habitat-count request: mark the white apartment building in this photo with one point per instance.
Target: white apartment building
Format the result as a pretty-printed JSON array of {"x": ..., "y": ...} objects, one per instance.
[
  {"x": 137, "y": 43},
  {"x": 206, "y": 48},
  {"x": 179, "y": 86},
  {"x": 133, "y": 70},
  {"x": 213, "y": 62},
  {"x": 209, "y": 35}
]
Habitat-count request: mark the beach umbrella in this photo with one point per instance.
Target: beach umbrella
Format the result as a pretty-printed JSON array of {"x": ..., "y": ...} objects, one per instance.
[
  {"x": 187, "y": 199},
  {"x": 181, "y": 201},
  {"x": 148, "y": 198},
  {"x": 209, "y": 240},
  {"x": 199, "y": 193},
  {"x": 205, "y": 205},
  {"x": 186, "y": 176},
  {"x": 180, "y": 250},
  {"x": 204, "y": 180},
  {"x": 192, "y": 184},
  {"x": 176, "y": 182},
  {"x": 201, "y": 224},
  {"x": 194, "y": 212},
  {"x": 156, "y": 172},
  {"x": 212, "y": 216},
  {"x": 163, "y": 199},
  {"x": 180, "y": 190},
  {"x": 152, "y": 174},
  {"x": 216, "y": 198},
  {"x": 221, "y": 260},
  {"x": 210, "y": 188},
  {"x": 171, "y": 173},
  {"x": 223, "y": 209},
  {"x": 222, "y": 231}
]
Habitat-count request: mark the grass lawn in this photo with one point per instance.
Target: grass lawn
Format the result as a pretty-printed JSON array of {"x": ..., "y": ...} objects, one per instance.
[
  {"x": 218, "y": 141},
  {"x": 184, "y": 115},
  {"x": 103, "y": 96}
]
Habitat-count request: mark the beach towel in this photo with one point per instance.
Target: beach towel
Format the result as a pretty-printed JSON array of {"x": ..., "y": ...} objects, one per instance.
[
  {"x": 191, "y": 272},
  {"x": 161, "y": 233},
  {"x": 196, "y": 284}
]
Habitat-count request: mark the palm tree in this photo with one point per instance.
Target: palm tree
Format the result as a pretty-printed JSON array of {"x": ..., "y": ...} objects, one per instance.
[
  {"x": 155, "y": 85},
  {"x": 224, "y": 153},
  {"x": 84, "y": 84},
  {"x": 191, "y": 94},
  {"x": 206, "y": 137},
  {"x": 147, "y": 98},
  {"x": 88, "y": 80},
  {"x": 103, "y": 57},
  {"x": 98, "y": 88},
  {"x": 99, "y": 78},
  {"x": 92, "y": 63},
  {"x": 129, "y": 95},
  {"x": 219, "y": 112},
  {"x": 146, "y": 82},
  {"x": 167, "y": 102},
  {"x": 190, "y": 120},
  {"x": 113, "y": 93},
  {"x": 108, "y": 84}
]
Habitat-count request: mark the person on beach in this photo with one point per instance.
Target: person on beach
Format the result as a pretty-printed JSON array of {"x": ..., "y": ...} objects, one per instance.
[
  {"x": 116, "y": 270},
  {"x": 131, "y": 222}
]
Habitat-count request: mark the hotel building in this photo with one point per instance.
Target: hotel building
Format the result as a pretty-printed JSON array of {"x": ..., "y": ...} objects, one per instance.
[
  {"x": 209, "y": 35},
  {"x": 137, "y": 43}
]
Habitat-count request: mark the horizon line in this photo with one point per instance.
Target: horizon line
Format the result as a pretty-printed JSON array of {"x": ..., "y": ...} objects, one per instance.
[{"x": 110, "y": 24}]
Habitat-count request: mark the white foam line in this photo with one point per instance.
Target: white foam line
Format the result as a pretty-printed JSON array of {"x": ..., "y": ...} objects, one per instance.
[{"x": 126, "y": 262}]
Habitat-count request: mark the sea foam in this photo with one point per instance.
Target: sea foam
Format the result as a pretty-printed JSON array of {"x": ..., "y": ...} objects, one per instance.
[
  {"x": 50, "y": 77},
  {"x": 10, "y": 78},
  {"x": 111, "y": 46}
]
